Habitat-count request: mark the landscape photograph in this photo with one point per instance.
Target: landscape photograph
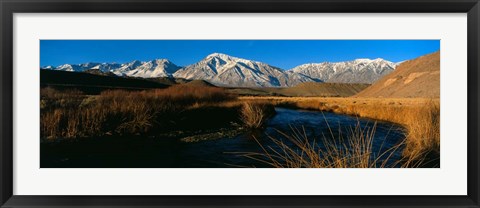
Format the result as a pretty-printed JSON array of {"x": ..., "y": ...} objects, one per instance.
[{"x": 239, "y": 103}]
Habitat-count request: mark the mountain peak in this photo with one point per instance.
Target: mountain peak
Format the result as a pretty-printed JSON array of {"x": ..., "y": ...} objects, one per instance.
[
  {"x": 366, "y": 60},
  {"x": 162, "y": 60},
  {"x": 363, "y": 60},
  {"x": 217, "y": 54},
  {"x": 134, "y": 62},
  {"x": 221, "y": 56},
  {"x": 159, "y": 61}
]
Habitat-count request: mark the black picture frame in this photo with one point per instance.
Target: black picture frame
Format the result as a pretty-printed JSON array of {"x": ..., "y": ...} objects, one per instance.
[{"x": 9, "y": 7}]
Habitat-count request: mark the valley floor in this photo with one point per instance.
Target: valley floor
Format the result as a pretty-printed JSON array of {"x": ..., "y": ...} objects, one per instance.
[
  {"x": 346, "y": 101},
  {"x": 183, "y": 109}
]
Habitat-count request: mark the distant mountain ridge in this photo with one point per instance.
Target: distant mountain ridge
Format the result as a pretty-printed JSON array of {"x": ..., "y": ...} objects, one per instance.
[
  {"x": 148, "y": 69},
  {"x": 356, "y": 71},
  {"x": 224, "y": 70}
]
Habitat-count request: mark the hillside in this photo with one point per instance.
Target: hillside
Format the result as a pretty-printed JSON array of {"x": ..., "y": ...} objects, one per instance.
[
  {"x": 199, "y": 83},
  {"x": 419, "y": 77},
  {"x": 91, "y": 83}
]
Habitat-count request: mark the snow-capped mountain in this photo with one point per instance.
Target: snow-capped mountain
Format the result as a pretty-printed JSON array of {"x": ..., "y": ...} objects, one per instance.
[
  {"x": 356, "y": 71},
  {"x": 225, "y": 70},
  {"x": 75, "y": 67},
  {"x": 106, "y": 67},
  {"x": 153, "y": 68},
  {"x": 148, "y": 69}
]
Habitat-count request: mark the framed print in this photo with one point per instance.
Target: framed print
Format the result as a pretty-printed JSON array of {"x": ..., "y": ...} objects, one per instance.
[{"x": 247, "y": 104}]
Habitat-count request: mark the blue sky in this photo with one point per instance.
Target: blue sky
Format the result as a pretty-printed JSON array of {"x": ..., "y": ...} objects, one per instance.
[{"x": 285, "y": 54}]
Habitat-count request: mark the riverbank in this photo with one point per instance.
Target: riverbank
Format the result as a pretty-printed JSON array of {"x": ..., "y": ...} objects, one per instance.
[
  {"x": 226, "y": 149},
  {"x": 420, "y": 116},
  {"x": 196, "y": 114}
]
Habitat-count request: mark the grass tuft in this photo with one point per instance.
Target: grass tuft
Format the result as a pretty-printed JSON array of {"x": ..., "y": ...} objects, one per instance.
[
  {"x": 351, "y": 149},
  {"x": 254, "y": 115}
]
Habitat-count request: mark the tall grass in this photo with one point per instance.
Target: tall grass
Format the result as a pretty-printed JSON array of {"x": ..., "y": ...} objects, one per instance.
[
  {"x": 51, "y": 98},
  {"x": 352, "y": 149},
  {"x": 422, "y": 121},
  {"x": 423, "y": 140},
  {"x": 422, "y": 144},
  {"x": 119, "y": 112},
  {"x": 255, "y": 114}
]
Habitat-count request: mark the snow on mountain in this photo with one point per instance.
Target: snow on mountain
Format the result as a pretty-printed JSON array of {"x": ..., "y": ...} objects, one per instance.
[
  {"x": 356, "y": 71},
  {"x": 71, "y": 67},
  {"x": 225, "y": 70},
  {"x": 126, "y": 67},
  {"x": 106, "y": 67},
  {"x": 153, "y": 68},
  {"x": 48, "y": 67}
]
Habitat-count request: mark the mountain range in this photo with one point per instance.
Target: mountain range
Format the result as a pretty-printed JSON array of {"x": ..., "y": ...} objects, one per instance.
[{"x": 224, "y": 70}]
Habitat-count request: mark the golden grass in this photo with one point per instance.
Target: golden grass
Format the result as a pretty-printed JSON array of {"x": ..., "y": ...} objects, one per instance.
[
  {"x": 73, "y": 115},
  {"x": 68, "y": 115},
  {"x": 353, "y": 149},
  {"x": 420, "y": 116},
  {"x": 254, "y": 115}
]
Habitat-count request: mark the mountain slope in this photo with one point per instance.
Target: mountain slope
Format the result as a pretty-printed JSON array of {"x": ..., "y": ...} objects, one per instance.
[
  {"x": 419, "y": 77},
  {"x": 356, "y": 71},
  {"x": 148, "y": 69},
  {"x": 153, "y": 68},
  {"x": 224, "y": 70}
]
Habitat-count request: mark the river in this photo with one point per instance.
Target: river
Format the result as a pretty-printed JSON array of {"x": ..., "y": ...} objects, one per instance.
[{"x": 133, "y": 152}]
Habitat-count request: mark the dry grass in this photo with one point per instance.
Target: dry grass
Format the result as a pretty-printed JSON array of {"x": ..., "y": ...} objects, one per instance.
[
  {"x": 68, "y": 115},
  {"x": 354, "y": 149},
  {"x": 51, "y": 98},
  {"x": 254, "y": 115},
  {"x": 72, "y": 115},
  {"x": 421, "y": 117}
]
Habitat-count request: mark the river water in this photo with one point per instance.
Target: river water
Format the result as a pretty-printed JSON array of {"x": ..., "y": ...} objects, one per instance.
[{"x": 222, "y": 152}]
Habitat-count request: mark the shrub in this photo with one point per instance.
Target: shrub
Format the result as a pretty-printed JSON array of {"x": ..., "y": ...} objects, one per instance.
[{"x": 254, "y": 115}]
